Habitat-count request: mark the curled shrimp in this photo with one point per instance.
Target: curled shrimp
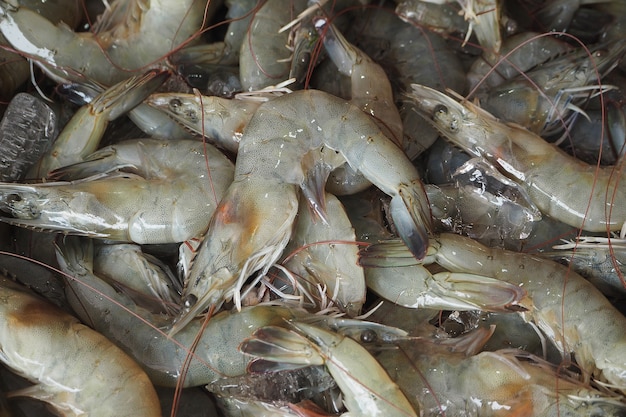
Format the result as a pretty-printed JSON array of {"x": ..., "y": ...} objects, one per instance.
[
  {"x": 128, "y": 37},
  {"x": 76, "y": 370},
  {"x": 555, "y": 181},
  {"x": 288, "y": 141}
]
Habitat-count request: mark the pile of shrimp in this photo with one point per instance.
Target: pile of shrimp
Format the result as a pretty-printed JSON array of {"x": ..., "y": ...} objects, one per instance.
[{"x": 305, "y": 208}]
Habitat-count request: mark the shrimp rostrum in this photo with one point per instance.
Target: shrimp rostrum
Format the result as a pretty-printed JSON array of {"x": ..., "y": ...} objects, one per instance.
[
  {"x": 555, "y": 181},
  {"x": 291, "y": 141}
]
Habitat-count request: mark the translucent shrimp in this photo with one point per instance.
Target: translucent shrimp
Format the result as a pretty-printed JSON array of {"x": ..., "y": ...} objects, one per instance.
[
  {"x": 409, "y": 55},
  {"x": 76, "y": 370},
  {"x": 556, "y": 182},
  {"x": 368, "y": 390},
  {"x": 167, "y": 197},
  {"x": 574, "y": 315},
  {"x": 542, "y": 99},
  {"x": 483, "y": 17},
  {"x": 523, "y": 51},
  {"x": 288, "y": 141},
  {"x": 447, "y": 379},
  {"x": 129, "y": 36}
]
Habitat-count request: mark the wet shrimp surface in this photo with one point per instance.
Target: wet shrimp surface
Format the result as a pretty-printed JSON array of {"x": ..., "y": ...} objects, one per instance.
[{"x": 288, "y": 208}]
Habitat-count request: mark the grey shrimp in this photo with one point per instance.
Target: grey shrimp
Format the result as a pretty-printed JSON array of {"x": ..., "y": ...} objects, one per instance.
[{"x": 284, "y": 145}]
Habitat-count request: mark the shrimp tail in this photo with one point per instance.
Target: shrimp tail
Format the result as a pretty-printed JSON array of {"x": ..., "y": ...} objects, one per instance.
[
  {"x": 385, "y": 254},
  {"x": 279, "y": 349},
  {"x": 412, "y": 219}
]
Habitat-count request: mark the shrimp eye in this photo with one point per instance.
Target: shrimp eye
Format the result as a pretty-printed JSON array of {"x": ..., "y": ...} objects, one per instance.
[
  {"x": 190, "y": 301},
  {"x": 368, "y": 336},
  {"x": 175, "y": 103},
  {"x": 440, "y": 109}
]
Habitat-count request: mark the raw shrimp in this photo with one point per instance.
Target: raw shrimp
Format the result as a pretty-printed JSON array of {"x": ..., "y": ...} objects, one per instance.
[
  {"x": 556, "y": 182},
  {"x": 168, "y": 197},
  {"x": 414, "y": 286},
  {"x": 128, "y": 37},
  {"x": 370, "y": 89},
  {"x": 518, "y": 54},
  {"x": 139, "y": 274},
  {"x": 82, "y": 134},
  {"x": 574, "y": 315},
  {"x": 541, "y": 99},
  {"x": 320, "y": 253},
  {"x": 226, "y": 52},
  {"x": 136, "y": 330},
  {"x": 14, "y": 69},
  {"x": 76, "y": 370},
  {"x": 288, "y": 142},
  {"x": 446, "y": 380},
  {"x": 367, "y": 389}
]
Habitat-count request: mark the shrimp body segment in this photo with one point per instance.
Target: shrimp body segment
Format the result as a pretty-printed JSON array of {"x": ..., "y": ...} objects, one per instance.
[
  {"x": 555, "y": 181},
  {"x": 76, "y": 370},
  {"x": 285, "y": 144}
]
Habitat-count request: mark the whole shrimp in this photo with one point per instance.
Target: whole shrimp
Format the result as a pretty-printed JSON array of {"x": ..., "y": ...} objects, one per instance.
[
  {"x": 367, "y": 388},
  {"x": 286, "y": 143},
  {"x": 127, "y": 38},
  {"x": 519, "y": 53},
  {"x": 551, "y": 177},
  {"x": 449, "y": 379},
  {"x": 483, "y": 17},
  {"x": 165, "y": 195},
  {"x": 574, "y": 315},
  {"x": 599, "y": 259},
  {"x": 76, "y": 370}
]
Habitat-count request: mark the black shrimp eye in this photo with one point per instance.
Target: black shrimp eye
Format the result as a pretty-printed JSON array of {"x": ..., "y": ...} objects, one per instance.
[
  {"x": 190, "y": 301},
  {"x": 175, "y": 103},
  {"x": 368, "y": 336},
  {"x": 441, "y": 109}
]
